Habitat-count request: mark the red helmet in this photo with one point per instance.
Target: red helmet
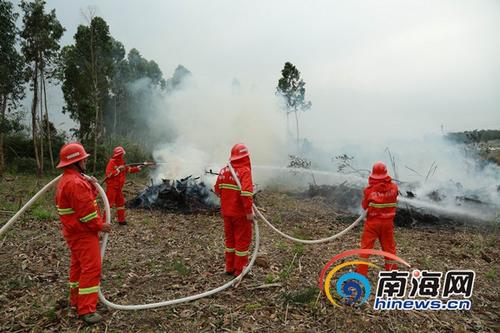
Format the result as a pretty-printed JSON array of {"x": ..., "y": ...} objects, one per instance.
[
  {"x": 379, "y": 171},
  {"x": 71, "y": 153},
  {"x": 239, "y": 151},
  {"x": 118, "y": 151}
]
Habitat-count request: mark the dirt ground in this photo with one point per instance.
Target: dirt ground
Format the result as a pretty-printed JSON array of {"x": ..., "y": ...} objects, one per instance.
[{"x": 161, "y": 256}]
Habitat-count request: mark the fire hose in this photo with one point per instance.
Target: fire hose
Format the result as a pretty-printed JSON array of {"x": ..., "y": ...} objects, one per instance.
[
  {"x": 28, "y": 205},
  {"x": 103, "y": 299},
  {"x": 131, "y": 165},
  {"x": 304, "y": 241},
  {"x": 234, "y": 281}
]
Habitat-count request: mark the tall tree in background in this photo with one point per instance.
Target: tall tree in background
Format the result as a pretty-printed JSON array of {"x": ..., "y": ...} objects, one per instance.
[
  {"x": 11, "y": 72},
  {"x": 40, "y": 45},
  {"x": 180, "y": 74},
  {"x": 89, "y": 66},
  {"x": 292, "y": 88},
  {"x": 136, "y": 83}
]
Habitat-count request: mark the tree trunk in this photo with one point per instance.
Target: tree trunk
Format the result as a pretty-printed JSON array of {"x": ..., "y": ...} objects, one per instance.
[
  {"x": 49, "y": 135},
  {"x": 288, "y": 134},
  {"x": 96, "y": 129},
  {"x": 297, "y": 127},
  {"x": 34, "y": 119},
  {"x": 42, "y": 150},
  {"x": 95, "y": 94},
  {"x": 114, "y": 122},
  {"x": 3, "y": 110}
]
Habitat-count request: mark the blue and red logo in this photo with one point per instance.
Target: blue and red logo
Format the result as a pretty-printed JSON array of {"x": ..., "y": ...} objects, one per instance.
[{"x": 352, "y": 287}]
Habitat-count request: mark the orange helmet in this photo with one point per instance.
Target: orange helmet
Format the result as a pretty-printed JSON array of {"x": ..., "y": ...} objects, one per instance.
[
  {"x": 118, "y": 151},
  {"x": 71, "y": 153},
  {"x": 238, "y": 151},
  {"x": 379, "y": 171}
]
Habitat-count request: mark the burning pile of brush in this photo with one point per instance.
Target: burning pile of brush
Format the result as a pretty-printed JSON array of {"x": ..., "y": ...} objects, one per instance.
[{"x": 186, "y": 195}]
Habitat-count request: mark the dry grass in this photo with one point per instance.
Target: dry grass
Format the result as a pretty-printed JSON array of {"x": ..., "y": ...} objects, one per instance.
[{"x": 161, "y": 256}]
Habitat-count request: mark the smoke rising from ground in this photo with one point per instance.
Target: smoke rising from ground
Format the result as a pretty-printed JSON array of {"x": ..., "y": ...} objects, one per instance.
[
  {"x": 208, "y": 118},
  {"x": 388, "y": 76}
]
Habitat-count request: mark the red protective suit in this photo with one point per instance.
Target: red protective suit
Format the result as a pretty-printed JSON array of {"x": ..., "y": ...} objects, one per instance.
[
  {"x": 81, "y": 223},
  {"x": 236, "y": 203},
  {"x": 115, "y": 179},
  {"x": 380, "y": 198}
]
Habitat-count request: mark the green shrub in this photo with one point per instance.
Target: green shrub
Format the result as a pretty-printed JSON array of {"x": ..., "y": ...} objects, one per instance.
[
  {"x": 23, "y": 165},
  {"x": 135, "y": 153},
  {"x": 42, "y": 214},
  {"x": 180, "y": 267},
  {"x": 492, "y": 274},
  {"x": 303, "y": 296}
]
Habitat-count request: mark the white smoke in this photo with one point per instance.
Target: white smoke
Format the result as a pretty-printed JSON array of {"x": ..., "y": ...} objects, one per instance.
[{"x": 209, "y": 118}]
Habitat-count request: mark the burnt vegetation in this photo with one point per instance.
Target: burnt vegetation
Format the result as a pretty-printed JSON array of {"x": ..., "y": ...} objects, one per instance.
[{"x": 185, "y": 195}]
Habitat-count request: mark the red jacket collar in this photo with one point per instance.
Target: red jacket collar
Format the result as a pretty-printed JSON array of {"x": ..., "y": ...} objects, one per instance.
[
  {"x": 373, "y": 181},
  {"x": 71, "y": 171},
  {"x": 242, "y": 162}
]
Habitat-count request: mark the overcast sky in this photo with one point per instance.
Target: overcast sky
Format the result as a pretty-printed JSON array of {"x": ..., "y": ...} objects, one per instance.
[{"x": 403, "y": 66}]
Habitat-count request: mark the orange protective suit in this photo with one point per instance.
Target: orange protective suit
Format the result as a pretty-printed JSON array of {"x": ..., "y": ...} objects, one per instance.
[
  {"x": 236, "y": 204},
  {"x": 115, "y": 179},
  {"x": 81, "y": 223},
  {"x": 380, "y": 198}
]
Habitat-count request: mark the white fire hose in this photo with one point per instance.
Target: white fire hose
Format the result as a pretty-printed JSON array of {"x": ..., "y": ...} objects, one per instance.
[
  {"x": 28, "y": 205},
  {"x": 183, "y": 299},
  {"x": 234, "y": 281},
  {"x": 112, "y": 305},
  {"x": 304, "y": 241}
]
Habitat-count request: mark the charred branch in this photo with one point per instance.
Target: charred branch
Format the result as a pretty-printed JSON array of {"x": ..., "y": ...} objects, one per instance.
[{"x": 186, "y": 195}]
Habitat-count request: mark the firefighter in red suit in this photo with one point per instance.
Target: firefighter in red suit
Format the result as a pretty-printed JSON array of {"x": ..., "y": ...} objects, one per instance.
[
  {"x": 236, "y": 209},
  {"x": 116, "y": 171},
  {"x": 380, "y": 199},
  {"x": 81, "y": 224}
]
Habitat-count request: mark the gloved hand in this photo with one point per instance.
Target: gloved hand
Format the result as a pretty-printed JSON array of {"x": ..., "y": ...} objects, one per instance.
[{"x": 106, "y": 227}]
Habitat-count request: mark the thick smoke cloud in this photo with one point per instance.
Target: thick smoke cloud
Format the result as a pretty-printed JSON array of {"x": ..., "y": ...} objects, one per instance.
[{"x": 209, "y": 118}]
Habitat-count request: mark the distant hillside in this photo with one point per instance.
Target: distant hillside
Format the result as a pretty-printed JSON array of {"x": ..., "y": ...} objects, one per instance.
[
  {"x": 486, "y": 143},
  {"x": 475, "y": 136}
]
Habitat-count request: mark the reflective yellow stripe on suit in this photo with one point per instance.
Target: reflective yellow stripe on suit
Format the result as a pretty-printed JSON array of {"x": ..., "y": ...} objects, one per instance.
[
  {"x": 89, "y": 217},
  {"x": 65, "y": 211},
  {"x": 229, "y": 186},
  {"x": 90, "y": 290},
  {"x": 384, "y": 205}
]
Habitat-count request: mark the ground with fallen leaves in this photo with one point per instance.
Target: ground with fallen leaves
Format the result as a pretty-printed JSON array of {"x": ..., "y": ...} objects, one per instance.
[{"x": 161, "y": 256}]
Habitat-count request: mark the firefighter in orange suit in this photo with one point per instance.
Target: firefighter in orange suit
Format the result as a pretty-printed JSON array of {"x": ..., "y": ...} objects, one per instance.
[
  {"x": 380, "y": 199},
  {"x": 81, "y": 224},
  {"x": 116, "y": 171},
  {"x": 236, "y": 209}
]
